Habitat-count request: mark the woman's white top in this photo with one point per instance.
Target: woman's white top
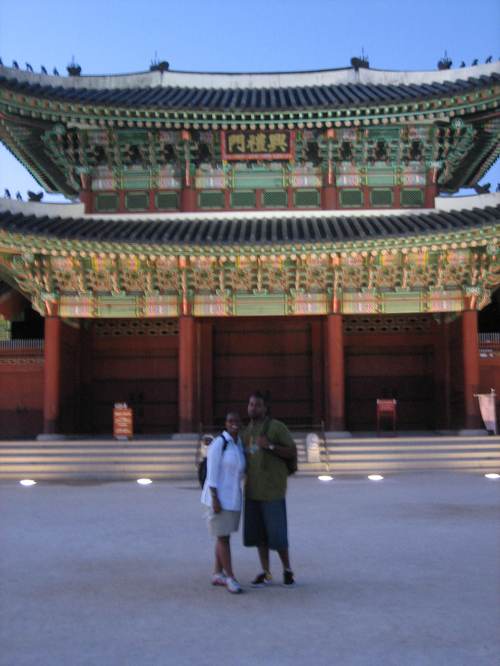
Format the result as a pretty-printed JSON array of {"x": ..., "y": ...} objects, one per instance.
[{"x": 225, "y": 471}]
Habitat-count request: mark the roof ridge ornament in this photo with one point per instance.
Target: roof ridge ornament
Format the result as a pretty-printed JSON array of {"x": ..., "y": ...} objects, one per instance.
[
  {"x": 445, "y": 63},
  {"x": 73, "y": 68},
  {"x": 159, "y": 65},
  {"x": 360, "y": 62}
]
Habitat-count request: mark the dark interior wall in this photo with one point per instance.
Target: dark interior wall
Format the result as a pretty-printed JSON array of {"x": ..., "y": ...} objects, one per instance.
[
  {"x": 457, "y": 396},
  {"x": 390, "y": 366},
  {"x": 139, "y": 369},
  {"x": 21, "y": 392},
  {"x": 70, "y": 378},
  {"x": 272, "y": 354},
  {"x": 489, "y": 372}
]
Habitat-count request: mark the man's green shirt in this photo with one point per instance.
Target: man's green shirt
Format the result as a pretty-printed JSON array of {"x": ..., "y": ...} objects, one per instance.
[{"x": 267, "y": 474}]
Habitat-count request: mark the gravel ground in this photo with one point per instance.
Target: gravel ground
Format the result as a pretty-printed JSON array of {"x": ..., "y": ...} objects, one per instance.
[{"x": 399, "y": 572}]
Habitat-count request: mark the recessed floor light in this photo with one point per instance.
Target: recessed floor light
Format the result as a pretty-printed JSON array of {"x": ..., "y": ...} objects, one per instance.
[
  {"x": 144, "y": 482},
  {"x": 325, "y": 477},
  {"x": 375, "y": 477},
  {"x": 27, "y": 482},
  {"x": 492, "y": 475}
]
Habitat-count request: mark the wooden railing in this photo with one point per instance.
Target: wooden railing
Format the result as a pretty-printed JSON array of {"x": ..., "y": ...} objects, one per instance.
[
  {"x": 489, "y": 339},
  {"x": 6, "y": 345}
]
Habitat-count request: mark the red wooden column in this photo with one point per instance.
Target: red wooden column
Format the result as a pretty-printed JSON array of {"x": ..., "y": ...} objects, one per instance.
[
  {"x": 188, "y": 199},
  {"x": 335, "y": 372},
  {"x": 329, "y": 197},
  {"x": 52, "y": 375},
  {"x": 329, "y": 189},
  {"x": 430, "y": 189},
  {"x": 396, "y": 191},
  {"x": 187, "y": 388},
  {"x": 470, "y": 356},
  {"x": 86, "y": 192},
  {"x": 188, "y": 192}
]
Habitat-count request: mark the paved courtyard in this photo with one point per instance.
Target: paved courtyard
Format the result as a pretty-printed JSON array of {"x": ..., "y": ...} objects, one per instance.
[{"x": 399, "y": 572}]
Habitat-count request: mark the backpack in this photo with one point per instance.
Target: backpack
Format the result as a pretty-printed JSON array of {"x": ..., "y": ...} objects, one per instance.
[
  {"x": 202, "y": 465},
  {"x": 291, "y": 463}
]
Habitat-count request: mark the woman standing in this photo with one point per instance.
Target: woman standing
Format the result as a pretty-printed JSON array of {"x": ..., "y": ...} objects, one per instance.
[{"x": 222, "y": 496}]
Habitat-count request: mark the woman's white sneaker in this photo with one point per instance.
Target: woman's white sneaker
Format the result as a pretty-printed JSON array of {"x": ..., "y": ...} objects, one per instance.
[
  {"x": 233, "y": 586},
  {"x": 219, "y": 579}
]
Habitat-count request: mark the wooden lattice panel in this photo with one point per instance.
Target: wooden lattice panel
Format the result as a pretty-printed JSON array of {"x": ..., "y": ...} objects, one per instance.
[
  {"x": 388, "y": 324},
  {"x": 128, "y": 327}
]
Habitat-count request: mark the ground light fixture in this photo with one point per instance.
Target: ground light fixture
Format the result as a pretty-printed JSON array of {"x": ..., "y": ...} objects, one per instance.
[
  {"x": 375, "y": 477},
  {"x": 144, "y": 482},
  {"x": 325, "y": 477},
  {"x": 27, "y": 482},
  {"x": 492, "y": 475}
]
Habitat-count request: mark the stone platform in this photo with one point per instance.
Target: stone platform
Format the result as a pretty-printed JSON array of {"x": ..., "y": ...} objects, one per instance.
[{"x": 402, "y": 572}]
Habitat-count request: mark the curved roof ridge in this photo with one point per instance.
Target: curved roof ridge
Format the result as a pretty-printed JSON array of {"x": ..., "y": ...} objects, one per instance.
[{"x": 236, "y": 80}]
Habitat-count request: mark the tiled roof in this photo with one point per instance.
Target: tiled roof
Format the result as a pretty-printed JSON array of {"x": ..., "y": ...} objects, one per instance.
[
  {"x": 251, "y": 229},
  {"x": 167, "y": 96}
]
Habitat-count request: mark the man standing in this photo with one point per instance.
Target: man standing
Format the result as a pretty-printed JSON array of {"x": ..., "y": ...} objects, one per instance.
[{"x": 268, "y": 445}]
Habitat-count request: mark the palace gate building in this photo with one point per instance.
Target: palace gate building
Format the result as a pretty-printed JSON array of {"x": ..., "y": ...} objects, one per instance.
[{"x": 291, "y": 232}]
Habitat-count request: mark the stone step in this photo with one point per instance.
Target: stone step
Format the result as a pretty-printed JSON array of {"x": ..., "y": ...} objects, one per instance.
[
  {"x": 82, "y": 455},
  {"x": 176, "y": 453},
  {"x": 80, "y": 459},
  {"x": 387, "y": 466},
  {"x": 98, "y": 475}
]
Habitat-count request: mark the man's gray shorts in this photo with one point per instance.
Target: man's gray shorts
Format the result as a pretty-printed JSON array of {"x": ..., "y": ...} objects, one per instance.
[{"x": 265, "y": 524}]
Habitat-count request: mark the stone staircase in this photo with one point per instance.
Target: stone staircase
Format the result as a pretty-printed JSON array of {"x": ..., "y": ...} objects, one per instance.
[
  {"x": 404, "y": 454},
  {"x": 108, "y": 460}
]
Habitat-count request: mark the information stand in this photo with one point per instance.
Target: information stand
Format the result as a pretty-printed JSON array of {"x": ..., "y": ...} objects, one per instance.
[{"x": 123, "y": 421}]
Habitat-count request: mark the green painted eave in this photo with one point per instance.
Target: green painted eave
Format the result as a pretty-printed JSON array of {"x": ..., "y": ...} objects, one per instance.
[{"x": 487, "y": 235}]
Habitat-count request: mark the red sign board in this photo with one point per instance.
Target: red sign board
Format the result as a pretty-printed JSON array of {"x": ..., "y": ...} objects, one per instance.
[
  {"x": 123, "y": 422},
  {"x": 386, "y": 409},
  {"x": 386, "y": 405}
]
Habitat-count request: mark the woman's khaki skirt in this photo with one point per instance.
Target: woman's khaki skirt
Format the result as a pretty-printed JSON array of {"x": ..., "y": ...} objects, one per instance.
[{"x": 223, "y": 523}]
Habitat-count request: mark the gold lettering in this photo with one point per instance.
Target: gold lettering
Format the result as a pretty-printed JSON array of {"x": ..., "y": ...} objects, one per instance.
[
  {"x": 236, "y": 143},
  {"x": 256, "y": 143},
  {"x": 277, "y": 143}
]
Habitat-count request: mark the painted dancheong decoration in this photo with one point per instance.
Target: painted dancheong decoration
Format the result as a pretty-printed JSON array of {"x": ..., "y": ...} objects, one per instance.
[{"x": 236, "y": 194}]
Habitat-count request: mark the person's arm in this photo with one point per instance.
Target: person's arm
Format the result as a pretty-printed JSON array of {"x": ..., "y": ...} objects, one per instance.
[{"x": 213, "y": 467}]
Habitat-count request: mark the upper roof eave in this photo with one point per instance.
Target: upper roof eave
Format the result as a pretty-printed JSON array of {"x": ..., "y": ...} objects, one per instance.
[{"x": 265, "y": 80}]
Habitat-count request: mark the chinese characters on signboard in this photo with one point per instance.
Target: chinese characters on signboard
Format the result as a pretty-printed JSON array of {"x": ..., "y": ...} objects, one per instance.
[{"x": 256, "y": 145}]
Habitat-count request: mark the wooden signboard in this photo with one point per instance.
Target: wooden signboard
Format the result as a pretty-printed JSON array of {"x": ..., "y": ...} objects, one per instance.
[
  {"x": 123, "y": 422},
  {"x": 257, "y": 145},
  {"x": 386, "y": 409}
]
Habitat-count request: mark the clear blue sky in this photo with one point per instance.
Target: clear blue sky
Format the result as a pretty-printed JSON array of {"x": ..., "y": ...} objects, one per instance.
[{"x": 221, "y": 35}]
